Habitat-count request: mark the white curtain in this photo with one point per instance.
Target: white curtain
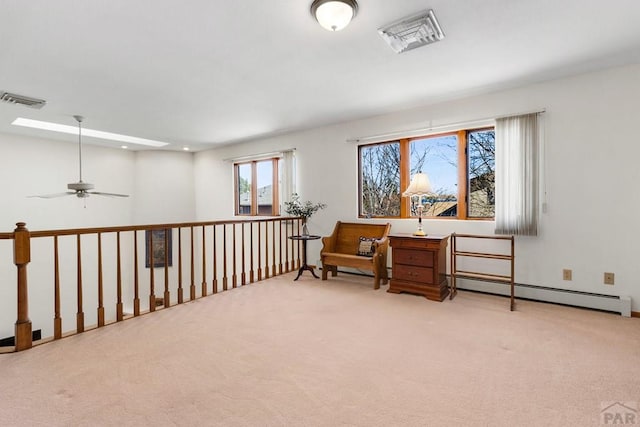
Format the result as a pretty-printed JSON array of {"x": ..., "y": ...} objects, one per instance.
[
  {"x": 517, "y": 180},
  {"x": 287, "y": 177}
]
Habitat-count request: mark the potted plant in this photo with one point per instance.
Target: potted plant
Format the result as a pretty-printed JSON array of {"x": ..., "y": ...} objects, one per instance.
[{"x": 302, "y": 209}]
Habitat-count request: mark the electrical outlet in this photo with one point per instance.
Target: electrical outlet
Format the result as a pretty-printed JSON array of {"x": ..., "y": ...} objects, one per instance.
[
  {"x": 609, "y": 278},
  {"x": 566, "y": 274}
]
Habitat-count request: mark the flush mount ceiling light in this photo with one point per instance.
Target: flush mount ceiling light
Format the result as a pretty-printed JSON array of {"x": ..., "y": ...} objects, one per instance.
[
  {"x": 55, "y": 127},
  {"x": 412, "y": 32},
  {"x": 334, "y": 15}
]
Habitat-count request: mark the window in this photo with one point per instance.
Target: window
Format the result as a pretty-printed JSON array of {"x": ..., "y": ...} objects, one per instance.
[
  {"x": 256, "y": 187},
  {"x": 380, "y": 179},
  {"x": 460, "y": 166},
  {"x": 481, "y": 173}
]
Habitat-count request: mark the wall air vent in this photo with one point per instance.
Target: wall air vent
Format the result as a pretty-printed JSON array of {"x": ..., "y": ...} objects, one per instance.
[
  {"x": 12, "y": 98},
  {"x": 412, "y": 32}
]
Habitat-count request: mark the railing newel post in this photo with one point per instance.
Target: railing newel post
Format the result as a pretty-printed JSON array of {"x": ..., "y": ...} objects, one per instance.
[{"x": 22, "y": 257}]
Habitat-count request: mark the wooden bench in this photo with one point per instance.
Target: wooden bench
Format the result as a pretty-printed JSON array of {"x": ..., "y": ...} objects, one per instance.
[{"x": 341, "y": 248}]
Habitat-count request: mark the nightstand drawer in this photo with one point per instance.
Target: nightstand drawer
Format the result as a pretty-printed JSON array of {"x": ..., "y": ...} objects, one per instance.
[
  {"x": 413, "y": 273},
  {"x": 413, "y": 257}
]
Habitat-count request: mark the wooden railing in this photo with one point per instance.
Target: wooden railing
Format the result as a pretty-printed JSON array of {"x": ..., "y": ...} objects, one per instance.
[{"x": 112, "y": 267}]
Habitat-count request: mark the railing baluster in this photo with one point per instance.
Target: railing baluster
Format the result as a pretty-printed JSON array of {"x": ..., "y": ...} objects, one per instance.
[
  {"x": 280, "y": 271},
  {"x": 180, "y": 290},
  {"x": 224, "y": 257},
  {"x": 119, "y": 306},
  {"x": 136, "y": 277},
  {"x": 100, "y": 285},
  {"x": 215, "y": 261},
  {"x": 234, "y": 276},
  {"x": 192, "y": 288},
  {"x": 80, "y": 312},
  {"x": 266, "y": 251},
  {"x": 259, "y": 254},
  {"x": 167, "y": 296},
  {"x": 251, "y": 251},
  {"x": 286, "y": 248},
  {"x": 243, "y": 276},
  {"x": 273, "y": 248},
  {"x": 57, "y": 320},
  {"x": 150, "y": 261},
  {"x": 204, "y": 262}
]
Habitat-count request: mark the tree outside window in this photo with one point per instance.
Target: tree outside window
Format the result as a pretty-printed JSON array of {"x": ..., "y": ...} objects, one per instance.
[
  {"x": 482, "y": 173},
  {"x": 380, "y": 180}
]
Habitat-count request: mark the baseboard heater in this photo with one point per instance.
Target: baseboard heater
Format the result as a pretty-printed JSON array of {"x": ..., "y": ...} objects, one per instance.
[
  {"x": 611, "y": 303},
  {"x": 11, "y": 341}
]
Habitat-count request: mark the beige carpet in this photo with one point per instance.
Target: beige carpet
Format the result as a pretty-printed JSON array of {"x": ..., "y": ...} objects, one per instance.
[{"x": 335, "y": 353}]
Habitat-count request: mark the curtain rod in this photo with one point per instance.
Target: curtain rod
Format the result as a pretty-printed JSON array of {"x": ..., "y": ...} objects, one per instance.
[
  {"x": 259, "y": 155},
  {"x": 416, "y": 132}
]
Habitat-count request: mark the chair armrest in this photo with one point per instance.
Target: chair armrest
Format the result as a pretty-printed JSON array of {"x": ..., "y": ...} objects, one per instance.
[
  {"x": 328, "y": 244},
  {"x": 381, "y": 245}
]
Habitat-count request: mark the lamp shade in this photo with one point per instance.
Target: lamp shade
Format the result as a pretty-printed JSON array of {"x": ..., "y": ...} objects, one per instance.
[
  {"x": 419, "y": 185},
  {"x": 334, "y": 15}
]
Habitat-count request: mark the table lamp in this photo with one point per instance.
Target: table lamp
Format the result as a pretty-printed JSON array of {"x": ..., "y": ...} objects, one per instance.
[{"x": 419, "y": 186}]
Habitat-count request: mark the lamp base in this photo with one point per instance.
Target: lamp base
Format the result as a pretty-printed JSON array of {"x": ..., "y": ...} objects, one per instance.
[{"x": 419, "y": 233}]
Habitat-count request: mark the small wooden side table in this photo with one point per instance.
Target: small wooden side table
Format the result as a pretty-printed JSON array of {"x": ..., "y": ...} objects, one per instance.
[
  {"x": 419, "y": 265},
  {"x": 304, "y": 239}
]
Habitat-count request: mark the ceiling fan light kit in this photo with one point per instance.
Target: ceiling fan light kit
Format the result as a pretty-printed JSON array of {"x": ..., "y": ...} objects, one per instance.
[
  {"x": 80, "y": 189},
  {"x": 334, "y": 15}
]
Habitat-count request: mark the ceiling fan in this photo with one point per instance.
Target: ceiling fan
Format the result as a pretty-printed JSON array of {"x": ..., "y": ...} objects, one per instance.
[{"x": 80, "y": 189}]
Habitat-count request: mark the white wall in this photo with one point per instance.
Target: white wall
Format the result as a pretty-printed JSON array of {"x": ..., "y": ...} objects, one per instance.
[
  {"x": 213, "y": 186},
  {"x": 164, "y": 187},
  {"x": 592, "y": 151}
]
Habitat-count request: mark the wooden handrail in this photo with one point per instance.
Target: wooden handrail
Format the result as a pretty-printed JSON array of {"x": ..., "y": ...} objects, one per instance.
[
  {"x": 112, "y": 291},
  {"x": 95, "y": 230}
]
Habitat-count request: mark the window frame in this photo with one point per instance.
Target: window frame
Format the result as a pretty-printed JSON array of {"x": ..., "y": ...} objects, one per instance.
[
  {"x": 275, "y": 181},
  {"x": 405, "y": 171}
]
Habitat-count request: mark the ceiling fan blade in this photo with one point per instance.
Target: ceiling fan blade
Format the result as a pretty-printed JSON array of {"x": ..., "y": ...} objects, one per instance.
[
  {"x": 100, "y": 193},
  {"x": 52, "y": 196}
]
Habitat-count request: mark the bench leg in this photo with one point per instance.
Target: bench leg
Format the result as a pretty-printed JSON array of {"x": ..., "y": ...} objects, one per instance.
[
  {"x": 334, "y": 271},
  {"x": 325, "y": 268},
  {"x": 385, "y": 275},
  {"x": 376, "y": 281}
]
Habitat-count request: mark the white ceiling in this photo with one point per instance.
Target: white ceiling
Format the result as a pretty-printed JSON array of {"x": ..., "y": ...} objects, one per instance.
[{"x": 208, "y": 72}]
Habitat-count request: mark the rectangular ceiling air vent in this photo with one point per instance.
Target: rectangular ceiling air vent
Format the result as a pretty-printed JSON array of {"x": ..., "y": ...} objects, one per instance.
[
  {"x": 413, "y": 31},
  {"x": 13, "y": 98}
]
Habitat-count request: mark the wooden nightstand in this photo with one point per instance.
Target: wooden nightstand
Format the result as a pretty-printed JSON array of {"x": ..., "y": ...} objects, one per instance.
[{"x": 419, "y": 265}]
